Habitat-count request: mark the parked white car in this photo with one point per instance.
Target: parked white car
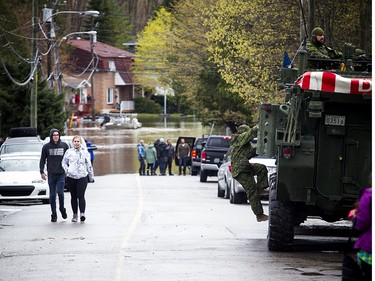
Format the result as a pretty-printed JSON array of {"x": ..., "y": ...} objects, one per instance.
[
  {"x": 69, "y": 141},
  {"x": 20, "y": 178}
]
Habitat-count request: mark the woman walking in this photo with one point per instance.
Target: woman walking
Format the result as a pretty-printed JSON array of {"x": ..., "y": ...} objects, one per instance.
[{"x": 79, "y": 172}]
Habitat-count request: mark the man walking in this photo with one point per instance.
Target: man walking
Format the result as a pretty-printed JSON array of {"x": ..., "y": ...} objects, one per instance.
[
  {"x": 53, "y": 152},
  {"x": 162, "y": 157},
  {"x": 183, "y": 153},
  {"x": 170, "y": 149}
]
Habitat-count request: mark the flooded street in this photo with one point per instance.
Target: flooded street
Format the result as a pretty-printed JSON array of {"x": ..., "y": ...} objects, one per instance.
[{"x": 117, "y": 148}]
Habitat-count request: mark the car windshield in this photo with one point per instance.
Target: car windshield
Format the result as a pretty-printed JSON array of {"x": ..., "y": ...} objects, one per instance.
[
  {"x": 219, "y": 142},
  {"x": 25, "y": 147},
  {"x": 7, "y": 165}
]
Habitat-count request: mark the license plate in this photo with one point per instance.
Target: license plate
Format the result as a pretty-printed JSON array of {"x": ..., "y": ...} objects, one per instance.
[
  {"x": 335, "y": 120},
  {"x": 217, "y": 160}
]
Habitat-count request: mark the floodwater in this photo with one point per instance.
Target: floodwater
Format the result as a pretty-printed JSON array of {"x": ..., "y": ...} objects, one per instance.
[{"x": 117, "y": 148}]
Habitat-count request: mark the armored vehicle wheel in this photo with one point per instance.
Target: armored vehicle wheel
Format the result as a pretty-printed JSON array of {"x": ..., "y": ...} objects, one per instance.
[
  {"x": 281, "y": 222},
  {"x": 220, "y": 193},
  {"x": 194, "y": 172},
  {"x": 203, "y": 176}
]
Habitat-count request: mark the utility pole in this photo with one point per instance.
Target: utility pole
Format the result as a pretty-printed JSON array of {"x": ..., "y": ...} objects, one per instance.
[
  {"x": 311, "y": 16},
  {"x": 92, "y": 44},
  {"x": 34, "y": 65}
]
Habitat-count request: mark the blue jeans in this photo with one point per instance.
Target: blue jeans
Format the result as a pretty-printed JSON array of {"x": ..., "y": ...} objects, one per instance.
[
  {"x": 142, "y": 166},
  {"x": 56, "y": 185}
]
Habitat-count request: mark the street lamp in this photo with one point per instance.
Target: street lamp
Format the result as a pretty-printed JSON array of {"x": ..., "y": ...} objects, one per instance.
[
  {"x": 47, "y": 17},
  {"x": 92, "y": 34}
]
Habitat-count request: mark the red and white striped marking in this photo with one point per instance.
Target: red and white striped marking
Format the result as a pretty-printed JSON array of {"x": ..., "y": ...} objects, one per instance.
[{"x": 331, "y": 82}]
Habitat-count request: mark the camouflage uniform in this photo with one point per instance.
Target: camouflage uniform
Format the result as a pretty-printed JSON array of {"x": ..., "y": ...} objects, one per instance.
[
  {"x": 320, "y": 50},
  {"x": 243, "y": 171}
]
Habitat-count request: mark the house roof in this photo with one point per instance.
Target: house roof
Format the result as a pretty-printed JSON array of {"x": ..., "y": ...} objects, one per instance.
[
  {"x": 75, "y": 82},
  {"x": 101, "y": 49}
]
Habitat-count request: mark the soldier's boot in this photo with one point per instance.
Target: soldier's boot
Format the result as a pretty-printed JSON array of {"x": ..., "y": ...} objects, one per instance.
[{"x": 262, "y": 217}]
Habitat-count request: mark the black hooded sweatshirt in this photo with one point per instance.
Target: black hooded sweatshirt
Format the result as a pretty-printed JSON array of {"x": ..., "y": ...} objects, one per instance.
[{"x": 53, "y": 153}]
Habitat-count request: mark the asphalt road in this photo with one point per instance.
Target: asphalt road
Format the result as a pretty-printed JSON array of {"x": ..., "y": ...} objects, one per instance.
[{"x": 154, "y": 229}]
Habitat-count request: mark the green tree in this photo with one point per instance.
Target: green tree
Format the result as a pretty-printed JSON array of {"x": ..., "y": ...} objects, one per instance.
[
  {"x": 246, "y": 42},
  {"x": 112, "y": 25},
  {"x": 15, "y": 79},
  {"x": 151, "y": 62}
]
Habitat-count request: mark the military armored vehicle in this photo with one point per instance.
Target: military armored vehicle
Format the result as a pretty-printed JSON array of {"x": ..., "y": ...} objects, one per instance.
[{"x": 321, "y": 138}]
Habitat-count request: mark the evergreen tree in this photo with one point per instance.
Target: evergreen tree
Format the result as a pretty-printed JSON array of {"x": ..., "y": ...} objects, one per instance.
[{"x": 112, "y": 25}]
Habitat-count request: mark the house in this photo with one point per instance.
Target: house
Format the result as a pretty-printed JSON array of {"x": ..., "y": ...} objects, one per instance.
[{"x": 100, "y": 71}]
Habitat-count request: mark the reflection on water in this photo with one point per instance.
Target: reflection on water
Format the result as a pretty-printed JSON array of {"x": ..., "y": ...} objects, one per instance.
[{"x": 117, "y": 148}]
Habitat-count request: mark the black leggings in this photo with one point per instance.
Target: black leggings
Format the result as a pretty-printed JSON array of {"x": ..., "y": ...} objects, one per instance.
[{"x": 77, "y": 188}]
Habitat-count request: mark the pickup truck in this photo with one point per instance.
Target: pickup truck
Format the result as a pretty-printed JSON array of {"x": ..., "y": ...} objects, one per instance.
[
  {"x": 212, "y": 156},
  {"x": 196, "y": 152}
]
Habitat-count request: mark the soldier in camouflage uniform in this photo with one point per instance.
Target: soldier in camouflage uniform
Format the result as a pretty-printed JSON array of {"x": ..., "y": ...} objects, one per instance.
[
  {"x": 244, "y": 172},
  {"x": 316, "y": 47}
]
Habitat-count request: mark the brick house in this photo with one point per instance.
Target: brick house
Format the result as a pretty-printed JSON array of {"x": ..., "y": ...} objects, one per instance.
[{"x": 113, "y": 89}]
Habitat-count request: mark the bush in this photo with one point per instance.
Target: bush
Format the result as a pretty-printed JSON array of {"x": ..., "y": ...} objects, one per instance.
[{"x": 145, "y": 105}]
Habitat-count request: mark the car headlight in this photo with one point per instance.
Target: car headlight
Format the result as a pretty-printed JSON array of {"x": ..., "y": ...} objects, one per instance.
[{"x": 39, "y": 181}]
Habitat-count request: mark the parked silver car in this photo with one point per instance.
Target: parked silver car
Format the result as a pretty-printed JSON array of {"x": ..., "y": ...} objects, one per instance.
[
  {"x": 22, "y": 139},
  {"x": 224, "y": 177},
  {"x": 230, "y": 188}
]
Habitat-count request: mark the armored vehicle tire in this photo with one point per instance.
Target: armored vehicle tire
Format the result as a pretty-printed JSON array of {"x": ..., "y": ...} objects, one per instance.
[
  {"x": 281, "y": 222},
  {"x": 194, "y": 172},
  {"x": 220, "y": 193},
  {"x": 203, "y": 176}
]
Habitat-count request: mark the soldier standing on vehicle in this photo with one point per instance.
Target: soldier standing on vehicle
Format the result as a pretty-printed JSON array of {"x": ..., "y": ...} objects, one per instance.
[
  {"x": 244, "y": 172},
  {"x": 317, "y": 48}
]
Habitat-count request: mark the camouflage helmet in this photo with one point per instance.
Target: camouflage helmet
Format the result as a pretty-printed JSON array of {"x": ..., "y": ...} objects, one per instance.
[
  {"x": 243, "y": 128},
  {"x": 317, "y": 31}
]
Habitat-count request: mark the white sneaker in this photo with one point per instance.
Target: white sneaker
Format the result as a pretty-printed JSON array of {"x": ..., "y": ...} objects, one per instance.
[
  {"x": 75, "y": 218},
  {"x": 83, "y": 218}
]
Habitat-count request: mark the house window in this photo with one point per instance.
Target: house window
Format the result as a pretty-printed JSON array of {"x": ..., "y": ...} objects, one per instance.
[
  {"x": 112, "y": 66},
  {"x": 109, "y": 96}
]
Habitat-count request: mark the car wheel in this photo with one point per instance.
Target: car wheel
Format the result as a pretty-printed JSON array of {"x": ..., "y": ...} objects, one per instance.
[
  {"x": 194, "y": 172},
  {"x": 227, "y": 191},
  {"x": 236, "y": 197},
  {"x": 281, "y": 222},
  {"x": 220, "y": 193},
  {"x": 203, "y": 176}
]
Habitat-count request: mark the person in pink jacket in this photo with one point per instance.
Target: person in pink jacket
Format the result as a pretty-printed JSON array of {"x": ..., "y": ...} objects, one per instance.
[{"x": 363, "y": 223}]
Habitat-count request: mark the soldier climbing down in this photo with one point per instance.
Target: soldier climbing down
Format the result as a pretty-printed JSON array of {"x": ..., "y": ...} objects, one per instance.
[{"x": 244, "y": 172}]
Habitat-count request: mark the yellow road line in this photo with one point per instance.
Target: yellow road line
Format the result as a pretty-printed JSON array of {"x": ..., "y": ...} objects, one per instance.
[{"x": 129, "y": 233}]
